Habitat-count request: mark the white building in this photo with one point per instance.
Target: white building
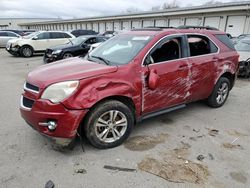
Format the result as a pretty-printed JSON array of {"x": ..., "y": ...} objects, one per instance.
[
  {"x": 13, "y": 23},
  {"x": 232, "y": 18}
]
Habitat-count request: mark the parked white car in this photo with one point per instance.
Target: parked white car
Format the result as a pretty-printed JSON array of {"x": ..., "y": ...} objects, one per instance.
[
  {"x": 37, "y": 42},
  {"x": 243, "y": 48},
  {"x": 5, "y": 36}
]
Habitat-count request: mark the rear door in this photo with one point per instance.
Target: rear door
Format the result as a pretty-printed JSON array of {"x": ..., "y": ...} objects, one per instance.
[
  {"x": 203, "y": 60},
  {"x": 168, "y": 59},
  {"x": 57, "y": 38},
  {"x": 3, "y": 38}
]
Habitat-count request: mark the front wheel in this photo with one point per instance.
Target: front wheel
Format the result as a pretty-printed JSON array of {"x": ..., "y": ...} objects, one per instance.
[
  {"x": 67, "y": 55},
  {"x": 109, "y": 124},
  {"x": 220, "y": 93},
  {"x": 26, "y": 51}
]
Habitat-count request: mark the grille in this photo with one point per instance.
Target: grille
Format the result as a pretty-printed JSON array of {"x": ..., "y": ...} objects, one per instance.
[
  {"x": 31, "y": 87},
  {"x": 28, "y": 103},
  {"x": 48, "y": 53}
]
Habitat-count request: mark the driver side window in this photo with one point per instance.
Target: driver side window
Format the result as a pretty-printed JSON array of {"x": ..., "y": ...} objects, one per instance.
[
  {"x": 42, "y": 36},
  {"x": 167, "y": 50}
]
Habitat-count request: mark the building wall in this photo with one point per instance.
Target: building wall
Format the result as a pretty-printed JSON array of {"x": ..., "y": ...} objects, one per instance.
[
  {"x": 13, "y": 23},
  {"x": 233, "y": 22}
]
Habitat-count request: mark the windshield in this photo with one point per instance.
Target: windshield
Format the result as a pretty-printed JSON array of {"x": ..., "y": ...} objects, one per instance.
[
  {"x": 31, "y": 35},
  {"x": 243, "y": 45},
  {"x": 121, "y": 49},
  {"x": 78, "y": 40}
]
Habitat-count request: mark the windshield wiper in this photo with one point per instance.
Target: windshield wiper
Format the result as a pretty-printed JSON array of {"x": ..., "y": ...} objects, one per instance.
[{"x": 107, "y": 62}]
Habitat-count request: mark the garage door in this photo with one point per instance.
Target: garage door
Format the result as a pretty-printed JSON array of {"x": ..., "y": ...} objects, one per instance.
[
  {"x": 109, "y": 26},
  {"x": 161, "y": 23},
  {"x": 193, "y": 21},
  {"x": 101, "y": 27},
  {"x": 148, "y": 23},
  {"x": 89, "y": 26},
  {"x": 136, "y": 24},
  {"x": 175, "y": 22},
  {"x": 126, "y": 25},
  {"x": 235, "y": 25},
  {"x": 212, "y": 22},
  {"x": 95, "y": 27},
  {"x": 117, "y": 26}
]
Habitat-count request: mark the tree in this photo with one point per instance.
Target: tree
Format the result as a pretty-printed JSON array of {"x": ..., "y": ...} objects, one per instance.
[
  {"x": 212, "y": 2},
  {"x": 171, "y": 4}
]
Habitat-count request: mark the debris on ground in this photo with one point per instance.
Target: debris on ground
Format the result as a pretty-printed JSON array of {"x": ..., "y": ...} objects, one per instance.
[
  {"x": 213, "y": 132},
  {"x": 236, "y": 133},
  {"x": 80, "y": 171},
  {"x": 200, "y": 157},
  {"x": 238, "y": 176},
  {"x": 49, "y": 184},
  {"x": 195, "y": 138},
  {"x": 185, "y": 145},
  {"x": 196, "y": 130},
  {"x": 119, "y": 168},
  {"x": 232, "y": 146},
  {"x": 175, "y": 170},
  {"x": 211, "y": 157},
  {"x": 141, "y": 143}
]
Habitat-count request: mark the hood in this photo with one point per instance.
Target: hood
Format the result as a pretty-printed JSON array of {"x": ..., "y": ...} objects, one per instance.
[
  {"x": 16, "y": 40},
  {"x": 68, "y": 69},
  {"x": 63, "y": 46},
  {"x": 244, "y": 55}
]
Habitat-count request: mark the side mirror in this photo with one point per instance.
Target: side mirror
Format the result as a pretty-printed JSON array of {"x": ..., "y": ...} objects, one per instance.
[
  {"x": 153, "y": 79},
  {"x": 35, "y": 38}
]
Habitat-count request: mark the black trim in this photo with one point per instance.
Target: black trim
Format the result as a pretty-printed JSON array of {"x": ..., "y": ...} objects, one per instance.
[{"x": 160, "y": 112}]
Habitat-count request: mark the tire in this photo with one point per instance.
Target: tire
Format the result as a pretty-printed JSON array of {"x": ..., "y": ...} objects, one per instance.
[
  {"x": 67, "y": 55},
  {"x": 99, "y": 129},
  {"x": 220, "y": 93},
  {"x": 26, "y": 51}
]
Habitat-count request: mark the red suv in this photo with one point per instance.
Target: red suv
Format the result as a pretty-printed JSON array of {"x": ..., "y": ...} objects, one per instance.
[{"x": 131, "y": 77}]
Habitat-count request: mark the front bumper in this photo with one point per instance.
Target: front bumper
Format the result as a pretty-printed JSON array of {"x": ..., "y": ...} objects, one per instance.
[
  {"x": 13, "y": 50},
  {"x": 43, "y": 111},
  {"x": 51, "y": 58}
]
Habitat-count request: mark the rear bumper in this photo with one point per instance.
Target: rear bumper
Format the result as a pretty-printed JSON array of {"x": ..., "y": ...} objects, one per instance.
[{"x": 43, "y": 111}]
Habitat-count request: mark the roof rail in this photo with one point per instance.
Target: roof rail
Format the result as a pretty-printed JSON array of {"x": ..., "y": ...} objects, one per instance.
[
  {"x": 151, "y": 28},
  {"x": 197, "y": 27}
]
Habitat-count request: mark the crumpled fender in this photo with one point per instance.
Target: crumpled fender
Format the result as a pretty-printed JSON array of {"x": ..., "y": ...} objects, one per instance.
[{"x": 93, "y": 90}]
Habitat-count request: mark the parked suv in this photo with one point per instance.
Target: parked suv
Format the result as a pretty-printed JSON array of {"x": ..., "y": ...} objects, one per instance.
[
  {"x": 130, "y": 77},
  {"x": 5, "y": 36},
  {"x": 37, "y": 42}
]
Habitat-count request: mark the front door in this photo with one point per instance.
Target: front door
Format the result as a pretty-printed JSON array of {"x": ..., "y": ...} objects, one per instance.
[{"x": 168, "y": 59}]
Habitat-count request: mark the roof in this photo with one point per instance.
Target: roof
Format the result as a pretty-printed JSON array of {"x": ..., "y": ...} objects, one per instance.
[{"x": 243, "y": 5}]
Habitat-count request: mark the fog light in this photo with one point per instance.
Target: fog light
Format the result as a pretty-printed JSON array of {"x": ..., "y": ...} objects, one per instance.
[{"x": 52, "y": 125}]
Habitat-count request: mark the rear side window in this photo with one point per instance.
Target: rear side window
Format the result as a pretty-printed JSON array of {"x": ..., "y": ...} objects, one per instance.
[
  {"x": 66, "y": 35},
  {"x": 12, "y": 34},
  {"x": 42, "y": 36},
  {"x": 200, "y": 45},
  {"x": 56, "y": 35},
  {"x": 225, "y": 40},
  {"x": 3, "y": 34}
]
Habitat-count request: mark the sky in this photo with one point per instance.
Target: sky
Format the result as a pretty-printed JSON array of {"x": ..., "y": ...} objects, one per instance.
[{"x": 67, "y": 9}]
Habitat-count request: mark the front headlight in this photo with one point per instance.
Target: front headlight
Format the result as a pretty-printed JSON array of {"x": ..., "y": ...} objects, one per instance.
[
  {"x": 56, "y": 52},
  {"x": 59, "y": 91}
]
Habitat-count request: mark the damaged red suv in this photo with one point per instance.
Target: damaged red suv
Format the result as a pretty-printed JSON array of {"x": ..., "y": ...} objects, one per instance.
[{"x": 131, "y": 77}]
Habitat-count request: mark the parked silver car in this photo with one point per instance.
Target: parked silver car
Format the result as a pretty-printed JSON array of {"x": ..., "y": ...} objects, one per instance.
[{"x": 5, "y": 36}]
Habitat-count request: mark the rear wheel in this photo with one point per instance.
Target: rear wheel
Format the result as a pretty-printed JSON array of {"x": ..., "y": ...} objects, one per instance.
[
  {"x": 67, "y": 55},
  {"x": 109, "y": 124},
  {"x": 26, "y": 51},
  {"x": 220, "y": 93}
]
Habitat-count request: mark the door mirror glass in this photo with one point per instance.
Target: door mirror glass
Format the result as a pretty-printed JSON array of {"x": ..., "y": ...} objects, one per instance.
[
  {"x": 35, "y": 38},
  {"x": 153, "y": 79}
]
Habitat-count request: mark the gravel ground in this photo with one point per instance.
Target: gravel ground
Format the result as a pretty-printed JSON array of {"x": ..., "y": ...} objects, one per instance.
[{"x": 161, "y": 152}]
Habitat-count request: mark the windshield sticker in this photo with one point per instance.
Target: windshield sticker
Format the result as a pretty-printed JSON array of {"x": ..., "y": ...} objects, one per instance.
[{"x": 141, "y": 38}]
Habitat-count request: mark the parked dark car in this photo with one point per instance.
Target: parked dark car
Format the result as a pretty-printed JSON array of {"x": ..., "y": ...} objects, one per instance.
[
  {"x": 19, "y": 32},
  {"x": 80, "y": 32},
  {"x": 76, "y": 47}
]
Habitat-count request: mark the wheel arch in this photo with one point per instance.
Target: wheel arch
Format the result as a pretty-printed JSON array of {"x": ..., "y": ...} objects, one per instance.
[{"x": 231, "y": 78}]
